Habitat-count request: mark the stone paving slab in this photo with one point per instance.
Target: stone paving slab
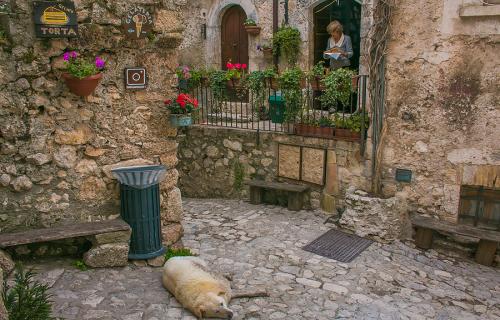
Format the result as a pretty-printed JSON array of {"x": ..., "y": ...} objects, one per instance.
[{"x": 261, "y": 246}]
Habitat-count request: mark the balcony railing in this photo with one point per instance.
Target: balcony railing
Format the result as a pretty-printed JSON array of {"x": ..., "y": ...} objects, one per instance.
[{"x": 235, "y": 106}]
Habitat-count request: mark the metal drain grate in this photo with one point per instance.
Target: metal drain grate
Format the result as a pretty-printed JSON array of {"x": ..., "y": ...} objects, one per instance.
[{"x": 338, "y": 245}]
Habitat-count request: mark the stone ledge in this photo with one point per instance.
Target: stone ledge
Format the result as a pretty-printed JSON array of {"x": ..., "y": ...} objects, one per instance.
[{"x": 480, "y": 11}]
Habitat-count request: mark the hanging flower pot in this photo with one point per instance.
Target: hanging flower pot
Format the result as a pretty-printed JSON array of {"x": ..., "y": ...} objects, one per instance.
[
  {"x": 253, "y": 30},
  {"x": 82, "y": 87},
  {"x": 181, "y": 109},
  {"x": 268, "y": 52},
  {"x": 181, "y": 120},
  {"x": 82, "y": 76}
]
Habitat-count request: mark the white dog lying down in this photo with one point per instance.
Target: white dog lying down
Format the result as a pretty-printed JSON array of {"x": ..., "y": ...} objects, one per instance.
[{"x": 203, "y": 293}]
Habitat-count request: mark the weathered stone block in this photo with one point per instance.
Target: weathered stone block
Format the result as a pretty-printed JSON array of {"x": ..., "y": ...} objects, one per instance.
[
  {"x": 172, "y": 206},
  {"x": 80, "y": 135},
  {"x": 22, "y": 183},
  {"x": 65, "y": 157},
  {"x": 107, "y": 255},
  {"x": 171, "y": 233},
  {"x": 383, "y": 220},
  {"x": 112, "y": 237},
  {"x": 157, "y": 262},
  {"x": 6, "y": 262}
]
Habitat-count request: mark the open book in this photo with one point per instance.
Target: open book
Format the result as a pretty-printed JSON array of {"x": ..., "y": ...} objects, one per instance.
[{"x": 334, "y": 55}]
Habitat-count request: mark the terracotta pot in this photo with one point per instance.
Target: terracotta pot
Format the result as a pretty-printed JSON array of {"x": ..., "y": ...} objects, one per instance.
[
  {"x": 82, "y": 87},
  {"x": 317, "y": 85},
  {"x": 342, "y": 133},
  {"x": 354, "y": 84},
  {"x": 326, "y": 132},
  {"x": 355, "y": 135},
  {"x": 233, "y": 83},
  {"x": 253, "y": 30},
  {"x": 268, "y": 53}
]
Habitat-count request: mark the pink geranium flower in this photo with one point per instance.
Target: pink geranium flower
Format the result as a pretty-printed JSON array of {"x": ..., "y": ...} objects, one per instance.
[
  {"x": 244, "y": 66},
  {"x": 237, "y": 66}
]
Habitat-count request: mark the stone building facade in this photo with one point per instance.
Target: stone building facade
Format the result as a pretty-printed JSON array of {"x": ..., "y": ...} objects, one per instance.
[
  {"x": 57, "y": 149},
  {"x": 442, "y": 103},
  {"x": 441, "y": 94}
]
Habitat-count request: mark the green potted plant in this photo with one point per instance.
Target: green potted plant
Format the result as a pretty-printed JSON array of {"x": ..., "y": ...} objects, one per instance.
[
  {"x": 82, "y": 75},
  {"x": 349, "y": 126},
  {"x": 256, "y": 84},
  {"x": 316, "y": 76},
  {"x": 234, "y": 73},
  {"x": 290, "y": 82},
  {"x": 271, "y": 78},
  {"x": 251, "y": 27},
  {"x": 337, "y": 88},
  {"x": 286, "y": 44},
  {"x": 266, "y": 49},
  {"x": 181, "y": 110},
  {"x": 218, "y": 83}
]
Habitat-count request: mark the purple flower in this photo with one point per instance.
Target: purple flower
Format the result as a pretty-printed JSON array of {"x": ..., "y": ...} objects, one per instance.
[
  {"x": 66, "y": 56},
  {"x": 73, "y": 54},
  {"x": 99, "y": 63}
]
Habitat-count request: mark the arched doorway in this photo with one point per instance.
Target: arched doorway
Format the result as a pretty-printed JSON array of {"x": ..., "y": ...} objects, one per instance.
[
  {"x": 234, "y": 38},
  {"x": 348, "y": 13}
]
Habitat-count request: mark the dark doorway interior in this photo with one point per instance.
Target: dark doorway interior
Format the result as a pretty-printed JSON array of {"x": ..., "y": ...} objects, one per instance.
[
  {"x": 234, "y": 38},
  {"x": 348, "y": 13}
]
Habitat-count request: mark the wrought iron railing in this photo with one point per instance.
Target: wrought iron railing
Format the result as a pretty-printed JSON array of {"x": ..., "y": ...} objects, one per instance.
[{"x": 236, "y": 106}]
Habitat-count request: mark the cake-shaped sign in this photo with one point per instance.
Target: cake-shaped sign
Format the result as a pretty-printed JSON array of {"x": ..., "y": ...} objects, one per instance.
[
  {"x": 55, "y": 19},
  {"x": 138, "y": 23}
]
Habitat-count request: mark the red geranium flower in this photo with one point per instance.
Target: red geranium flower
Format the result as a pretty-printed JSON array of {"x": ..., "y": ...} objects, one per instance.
[
  {"x": 238, "y": 66},
  {"x": 244, "y": 66},
  {"x": 229, "y": 65}
]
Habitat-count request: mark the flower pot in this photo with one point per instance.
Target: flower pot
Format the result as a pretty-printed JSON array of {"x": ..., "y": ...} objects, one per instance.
[
  {"x": 326, "y": 132},
  {"x": 317, "y": 85},
  {"x": 354, "y": 82},
  {"x": 233, "y": 83},
  {"x": 273, "y": 83},
  {"x": 253, "y": 30},
  {"x": 268, "y": 53},
  {"x": 82, "y": 87},
  {"x": 355, "y": 135},
  {"x": 180, "y": 120},
  {"x": 205, "y": 82},
  {"x": 342, "y": 133},
  {"x": 301, "y": 129}
]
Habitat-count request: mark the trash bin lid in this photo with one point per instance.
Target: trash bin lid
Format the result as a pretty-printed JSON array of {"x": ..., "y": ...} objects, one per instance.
[
  {"x": 276, "y": 98},
  {"x": 140, "y": 177}
]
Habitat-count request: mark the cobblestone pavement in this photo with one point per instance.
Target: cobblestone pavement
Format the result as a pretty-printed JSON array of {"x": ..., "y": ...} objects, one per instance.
[{"x": 261, "y": 246}]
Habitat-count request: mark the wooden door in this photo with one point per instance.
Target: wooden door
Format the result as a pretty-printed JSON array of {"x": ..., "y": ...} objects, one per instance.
[{"x": 234, "y": 37}]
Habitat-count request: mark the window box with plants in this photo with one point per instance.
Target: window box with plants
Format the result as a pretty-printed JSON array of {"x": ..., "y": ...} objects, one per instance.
[
  {"x": 181, "y": 110},
  {"x": 349, "y": 127},
  {"x": 322, "y": 128},
  {"x": 251, "y": 27},
  {"x": 82, "y": 75}
]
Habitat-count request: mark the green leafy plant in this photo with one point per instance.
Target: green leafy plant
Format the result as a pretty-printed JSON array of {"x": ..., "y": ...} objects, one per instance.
[
  {"x": 256, "y": 83},
  {"x": 80, "y": 265},
  {"x": 337, "y": 88},
  {"x": 318, "y": 71},
  {"x": 181, "y": 252},
  {"x": 290, "y": 81},
  {"x": 27, "y": 298},
  {"x": 326, "y": 122},
  {"x": 80, "y": 67},
  {"x": 218, "y": 81},
  {"x": 352, "y": 122},
  {"x": 239, "y": 175},
  {"x": 250, "y": 22},
  {"x": 286, "y": 44}
]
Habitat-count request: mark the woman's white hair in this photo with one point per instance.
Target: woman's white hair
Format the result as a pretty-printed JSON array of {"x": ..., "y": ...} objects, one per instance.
[{"x": 334, "y": 26}]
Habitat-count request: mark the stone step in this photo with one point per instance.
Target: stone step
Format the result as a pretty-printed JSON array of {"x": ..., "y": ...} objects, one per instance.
[{"x": 229, "y": 117}]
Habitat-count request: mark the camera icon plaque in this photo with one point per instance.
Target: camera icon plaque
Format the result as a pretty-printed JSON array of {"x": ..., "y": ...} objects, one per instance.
[{"x": 135, "y": 78}]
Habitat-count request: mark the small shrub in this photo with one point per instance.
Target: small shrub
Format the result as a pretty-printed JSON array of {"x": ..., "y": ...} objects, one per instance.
[
  {"x": 239, "y": 175},
  {"x": 79, "y": 264},
  {"x": 286, "y": 43},
  {"x": 27, "y": 298},
  {"x": 181, "y": 252}
]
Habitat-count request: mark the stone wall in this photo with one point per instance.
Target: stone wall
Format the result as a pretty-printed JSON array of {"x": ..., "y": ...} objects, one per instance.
[
  {"x": 214, "y": 162},
  {"x": 442, "y": 104},
  {"x": 57, "y": 149}
]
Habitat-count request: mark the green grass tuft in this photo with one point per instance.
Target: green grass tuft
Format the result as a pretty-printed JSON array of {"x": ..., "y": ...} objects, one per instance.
[
  {"x": 181, "y": 252},
  {"x": 79, "y": 264}
]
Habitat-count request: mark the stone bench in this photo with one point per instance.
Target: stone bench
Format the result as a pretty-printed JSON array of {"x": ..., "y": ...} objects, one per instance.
[
  {"x": 488, "y": 239},
  {"x": 295, "y": 192},
  {"x": 110, "y": 240}
]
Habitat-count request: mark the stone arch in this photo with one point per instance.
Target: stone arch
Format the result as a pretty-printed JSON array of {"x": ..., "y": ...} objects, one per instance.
[{"x": 214, "y": 20}]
